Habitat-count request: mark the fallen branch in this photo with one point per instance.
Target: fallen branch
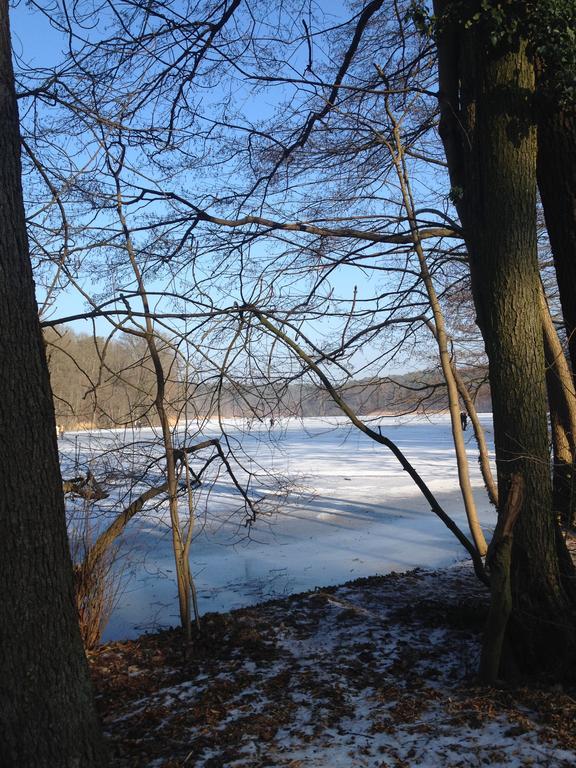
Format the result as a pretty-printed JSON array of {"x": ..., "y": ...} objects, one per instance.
[
  {"x": 86, "y": 487},
  {"x": 379, "y": 438}
]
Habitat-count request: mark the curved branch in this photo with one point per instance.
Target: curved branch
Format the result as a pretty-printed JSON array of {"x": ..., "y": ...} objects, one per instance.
[{"x": 383, "y": 440}]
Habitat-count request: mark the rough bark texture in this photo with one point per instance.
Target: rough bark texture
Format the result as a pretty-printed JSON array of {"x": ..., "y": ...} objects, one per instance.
[
  {"x": 490, "y": 141},
  {"x": 557, "y": 185},
  {"x": 562, "y": 403},
  {"x": 498, "y": 562},
  {"x": 46, "y": 715}
]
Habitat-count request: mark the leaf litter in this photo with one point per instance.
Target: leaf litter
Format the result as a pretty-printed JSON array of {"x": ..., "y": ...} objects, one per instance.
[{"x": 376, "y": 673}]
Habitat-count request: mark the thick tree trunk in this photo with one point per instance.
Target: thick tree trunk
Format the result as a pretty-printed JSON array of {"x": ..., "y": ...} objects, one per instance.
[
  {"x": 557, "y": 185},
  {"x": 562, "y": 403},
  {"x": 47, "y": 718},
  {"x": 490, "y": 141},
  {"x": 499, "y": 561}
]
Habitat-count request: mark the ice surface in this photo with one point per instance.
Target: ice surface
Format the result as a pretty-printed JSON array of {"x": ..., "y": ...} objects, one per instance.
[{"x": 351, "y": 512}]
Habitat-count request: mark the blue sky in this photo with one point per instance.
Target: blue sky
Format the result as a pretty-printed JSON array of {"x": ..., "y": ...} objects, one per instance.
[
  {"x": 33, "y": 37},
  {"x": 39, "y": 44}
]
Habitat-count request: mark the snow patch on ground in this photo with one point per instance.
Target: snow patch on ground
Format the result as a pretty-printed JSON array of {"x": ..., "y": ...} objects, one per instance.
[{"x": 378, "y": 673}]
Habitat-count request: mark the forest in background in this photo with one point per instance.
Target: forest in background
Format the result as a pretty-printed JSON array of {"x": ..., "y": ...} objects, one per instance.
[{"x": 104, "y": 383}]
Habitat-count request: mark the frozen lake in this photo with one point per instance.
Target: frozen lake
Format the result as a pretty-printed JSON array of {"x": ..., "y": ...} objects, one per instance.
[{"x": 349, "y": 511}]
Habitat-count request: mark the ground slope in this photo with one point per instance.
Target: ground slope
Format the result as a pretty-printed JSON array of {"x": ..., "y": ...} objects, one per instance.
[{"x": 378, "y": 673}]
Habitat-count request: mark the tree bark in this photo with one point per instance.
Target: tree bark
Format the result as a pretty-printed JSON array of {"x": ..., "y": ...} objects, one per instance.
[
  {"x": 489, "y": 135},
  {"x": 47, "y": 719},
  {"x": 557, "y": 186},
  {"x": 498, "y": 562},
  {"x": 562, "y": 403}
]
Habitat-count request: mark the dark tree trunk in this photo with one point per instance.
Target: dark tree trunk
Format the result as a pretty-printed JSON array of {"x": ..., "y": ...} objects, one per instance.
[
  {"x": 562, "y": 404},
  {"x": 563, "y": 497},
  {"x": 557, "y": 185},
  {"x": 47, "y": 718},
  {"x": 490, "y": 142}
]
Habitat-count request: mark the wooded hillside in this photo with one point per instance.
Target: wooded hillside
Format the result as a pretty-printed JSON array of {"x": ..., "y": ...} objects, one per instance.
[{"x": 100, "y": 382}]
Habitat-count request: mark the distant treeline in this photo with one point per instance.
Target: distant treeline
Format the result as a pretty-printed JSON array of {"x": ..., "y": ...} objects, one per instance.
[
  {"x": 100, "y": 382},
  {"x": 419, "y": 391}
]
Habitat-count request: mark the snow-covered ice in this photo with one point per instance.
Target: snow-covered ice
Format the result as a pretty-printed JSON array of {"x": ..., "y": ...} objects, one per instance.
[{"x": 351, "y": 512}]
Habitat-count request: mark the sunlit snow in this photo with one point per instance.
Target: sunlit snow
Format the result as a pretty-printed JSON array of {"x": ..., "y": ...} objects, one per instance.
[{"x": 351, "y": 511}]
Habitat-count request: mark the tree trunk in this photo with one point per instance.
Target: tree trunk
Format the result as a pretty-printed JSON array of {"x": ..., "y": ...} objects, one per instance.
[
  {"x": 562, "y": 402},
  {"x": 498, "y": 561},
  {"x": 490, "y": 142},
  {"x": 183, "y": 573},
  {"x": 47, "y": 718},
  {"x": 557, "y": 185}
]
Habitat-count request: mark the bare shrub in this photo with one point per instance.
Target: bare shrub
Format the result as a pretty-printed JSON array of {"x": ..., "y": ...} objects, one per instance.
[{"x": 97, "y": 579}]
